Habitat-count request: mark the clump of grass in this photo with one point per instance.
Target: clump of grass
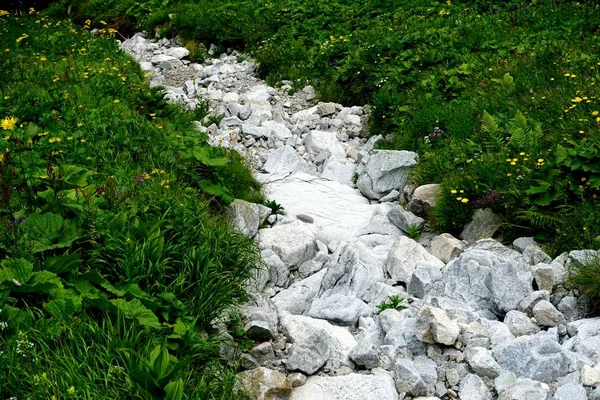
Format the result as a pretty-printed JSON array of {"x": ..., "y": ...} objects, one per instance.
[
  {"x": 393, "y": 302},
  {"x": 586, "y": 280}
]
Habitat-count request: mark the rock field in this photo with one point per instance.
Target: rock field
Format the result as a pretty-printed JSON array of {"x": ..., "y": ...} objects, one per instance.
[{"x": 482, "y": 320}]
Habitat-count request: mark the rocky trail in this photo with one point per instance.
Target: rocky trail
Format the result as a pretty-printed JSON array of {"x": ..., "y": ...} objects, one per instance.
[{"x": 482, "y": 320}]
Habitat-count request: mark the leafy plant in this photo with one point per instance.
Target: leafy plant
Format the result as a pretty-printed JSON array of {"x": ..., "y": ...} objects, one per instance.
[
  {"x": 586, "y": 279},
  {"x": 393, "y": 302},
  {"x": 414, "y": 232}
]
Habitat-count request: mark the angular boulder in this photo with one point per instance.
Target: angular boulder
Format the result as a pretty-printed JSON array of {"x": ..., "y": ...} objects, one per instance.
[{"x": 384, "y": 171}]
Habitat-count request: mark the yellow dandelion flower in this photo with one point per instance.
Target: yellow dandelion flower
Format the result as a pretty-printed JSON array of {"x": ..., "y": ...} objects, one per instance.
[
  {"x": 581, "y": 132},
  {"x": 522, "y": 153},
  {"x": 453, "y": 191},
  {"x": 594, "y": 113},
  {"x": 4, "y": 13},
  {"x": 459, "y": 198},
  {"x": 598, "y": 120},
  {"x": 567, "y": 75},
  {"x": 8, "y": 124},
  {"x": 509, "y": 174},
  {"x": 465, "y": 200},
  {"x": 540, "y": 160},
  {"x": 513, "y": 163},
  {"x": 116, "y": 101},
  {"x": 577, "y": 100}
]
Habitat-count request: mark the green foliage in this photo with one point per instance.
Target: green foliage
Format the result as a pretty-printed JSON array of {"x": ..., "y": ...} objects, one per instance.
[
  {"x": 586, "y": 280},
  {"x": 393, "y": 302},
  {"x": 112, "y": 239},
  {"x": 414, "y": 232}
]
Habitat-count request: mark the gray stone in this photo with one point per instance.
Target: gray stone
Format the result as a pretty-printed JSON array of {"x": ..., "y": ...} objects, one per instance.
[
  {"x": 263, "y": 352},
  {"x": 487, "y": 282},
  {"x": 308, "y": 268},
  {"x": 434, "y": 326},
  {"x": 520, "y": 324},
  {"x": 384, "y": 171},
  {"x": 297, "y": 298},
  {"x": 544, "y": 276},
  {"x": 310, "y": 93},
  {"x": 294, "y": 243},
  {"x": 571, "y": 391},
  {"x": 402, "y": 335},
  {"x": 301, "y": 332},
  {"x": 178, "y": 52},
  {"x": 252, "y": 130},
  {"x": 262, "y": 323},
  {"x": 369, "y": 340},
  {"x": 472, "y": 387},
  {"x": 297, "y": 379},
  {"x": 483, "y": 225},
  {"x": 318, "y": 141},
  {"x": 422, "y": 281},
  {"x": 308, "y": 356},
  {"x": 424, "y": 199},
  {"x": 339, "y": 169},
  {"x": 578, "y": 258},
  {"x": 446, "y": 247},
  {"x": 325, "y": 109},
  {"x": 537, "y": 357},
  {"x": 482, "y": 363},
  {"x": 427, "y": 370},
  {"x": 279, "y": 273},
  {"x": 408, "y": 379},
  {"x": 521, "y": 243},
  {"x": 404, "y": 219},
  {"x": 547, "y": 315},
  {"x": 405, "y": 257},
  {"x": 505, "y": 380},
  {"x": 569, "y": 307},
  {"x": 285, "y": 160},
  {"x": 526, "y": 305},
  {"x": 348, "y": 387},
  {"x": 526, "y": 389},
  {"x": 339, "y": 309},
  {"x": 247, "y": 217},
  {"x": 276, "y": 130},
  {"x": 533, "y": 255}
]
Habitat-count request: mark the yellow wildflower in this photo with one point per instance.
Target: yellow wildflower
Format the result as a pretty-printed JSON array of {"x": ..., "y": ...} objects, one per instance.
[
  {"x": 598, "y": 120},
  {"x": 23, "y": 36},
  {"x": 453, "y": 191},
  {"x": 80, "y": 124},
  {"x": 459, "y": 198},
  {"x": 522, "y": 153},
  {"x": 31, "y": 11},
  {"x": 4, "y": 13},
  {"x": 71, "y": 390},
  {"x": 594, "y": 113},
  {"x": 8, "y": 124},
  {"x": 465, "y": 200},
  {"x": 82, "y": 140},
  {"x": 116, "y": 101},
  {"x": 44, "y": 176},
  {"x": 577, "y": 99},
  {"x": 102, "y": 22}
]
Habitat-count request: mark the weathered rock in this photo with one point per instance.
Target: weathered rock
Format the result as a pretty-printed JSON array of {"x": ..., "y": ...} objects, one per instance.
[
  {"x": 405, "y": 220},
  {"x": 285, "y": 160},
  {"x": 178, "y": 52},
  {"x": 262, "y": 323},
  {"x": 318, "y": 141},
  {"x": 538, "y": 357},
  {"x": 547, "y": 315},
  {"x": 263, "y": 352},
  {"x": 309, "y": 355},
  {"x": 297, "y": 298},
  {"x": 521, "y": 243},
  {"x": 446, "y": 247},
  {"x": 365, "y": 353},
  {"x": 571, "y": 391},
  {"x": 339, "y": 309},
  {"x": 544, "y": 276},
  {"x": 301, "y": 331},
  {"x": 482, "y": 363},
  {"x": 340, "y": 170},
  {"x": 483, "y": 225},
  {"x": 403, "y": 336},
  {"x": 408, "y": 379},
  {"x": 294, "y": 243},
  {"x": 526, "y": 389},
  {"x": 526, "y": 305},
  {"x": 405, "y": 257},
  {"x": 520, "y": 324},
  {"x": 434, "y": 326},
  {"x": 424, "y": 199},
  {"x": 325, "y": 109},
  {"x": 347, "y": 387},
  {"x": 247, "y": 217},
  {"x": 423, "y": 280},
  {"x": 590, "y": 376},
  {"x": 384, "y": 171},
  {"x": 472, "y": 387},
  {"x": 265, "y": 384}
]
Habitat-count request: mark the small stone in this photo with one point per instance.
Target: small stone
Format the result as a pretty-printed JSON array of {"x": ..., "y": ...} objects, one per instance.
[
  {"x": 547, "y": 315},
  {"x": 297, "y": 379},
  {"x": 520, "y": 324},
  {"x": 472, "y": 387},
  {"x": 446, "y": 247},
  {"x": 590, "y": 376},
  {"x": 434, "y": 326},
  {"x": 482, "y": 362},
  {"x": 452, "y": 377},
  {"x": 265, "y": 384},
  {"x": 263, "y": 352}
]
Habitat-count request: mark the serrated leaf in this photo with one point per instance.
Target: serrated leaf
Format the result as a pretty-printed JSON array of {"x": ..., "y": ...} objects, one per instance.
[
  {"x": 134, "y": 309},
  {"x": 41, "y": 281}
]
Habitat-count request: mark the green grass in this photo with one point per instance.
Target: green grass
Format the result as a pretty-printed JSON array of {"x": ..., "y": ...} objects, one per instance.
[{"x": 113, "y": 244}]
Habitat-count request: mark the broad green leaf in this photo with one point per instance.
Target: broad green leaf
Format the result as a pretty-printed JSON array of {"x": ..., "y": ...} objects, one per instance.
[
  {"x": 41, "y": 281},
  {"x": 75, "y": 176},
  {"x": 134, "y": 309},
  {"x": 50, "y": 231},
  {"x": 159, "y": 360},
  {"x": 18, "y": 269},
  {"x": 62, "y": 264},
  {"x": 209, "y": 156},
  {"x": 217, "y": 190},
  {"x": 174, "y": 390}
]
